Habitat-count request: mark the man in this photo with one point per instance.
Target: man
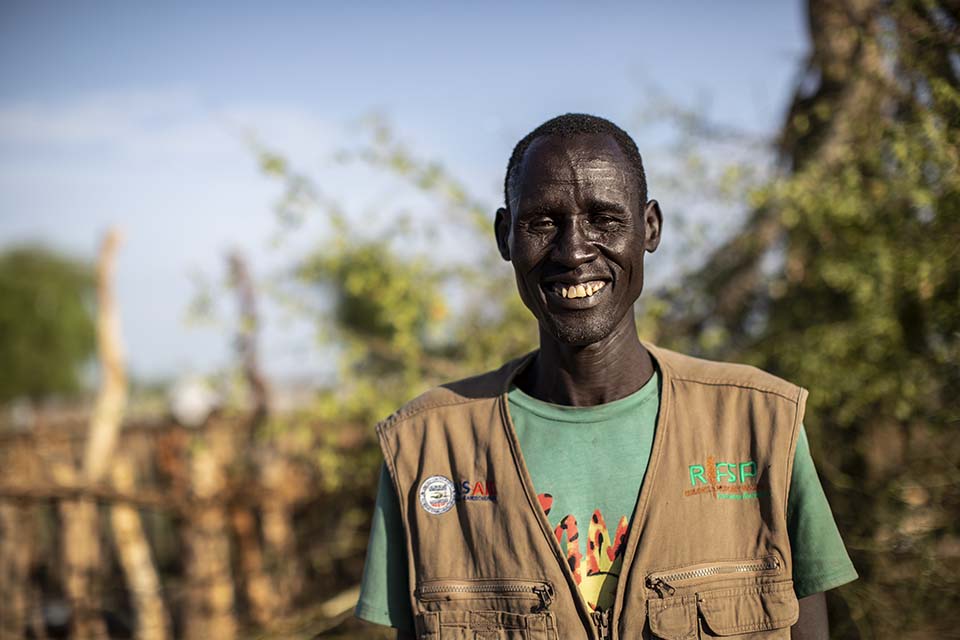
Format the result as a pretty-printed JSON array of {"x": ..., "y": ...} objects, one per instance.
[{"x": 600, "y": 487}]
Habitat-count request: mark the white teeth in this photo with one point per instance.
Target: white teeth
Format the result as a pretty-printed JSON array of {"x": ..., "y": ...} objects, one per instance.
[{"x": 582, "y": 290}]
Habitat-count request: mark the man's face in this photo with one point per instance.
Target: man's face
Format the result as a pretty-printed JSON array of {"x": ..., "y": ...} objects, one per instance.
[{"x": 576, "y": 233}]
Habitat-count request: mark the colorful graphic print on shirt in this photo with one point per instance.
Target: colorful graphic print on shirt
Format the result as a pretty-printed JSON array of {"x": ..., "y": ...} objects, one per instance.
[{"x": 595, "y": 573}]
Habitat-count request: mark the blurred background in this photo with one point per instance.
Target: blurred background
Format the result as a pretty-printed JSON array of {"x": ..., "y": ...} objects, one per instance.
[{"x": 234, "y": 236}]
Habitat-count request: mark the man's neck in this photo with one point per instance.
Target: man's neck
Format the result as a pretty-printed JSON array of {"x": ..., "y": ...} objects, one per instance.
[{"x": 584, "y": 376}]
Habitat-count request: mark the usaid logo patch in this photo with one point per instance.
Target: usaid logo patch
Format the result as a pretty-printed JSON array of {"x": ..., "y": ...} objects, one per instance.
[{"x": 437, "y": 495}]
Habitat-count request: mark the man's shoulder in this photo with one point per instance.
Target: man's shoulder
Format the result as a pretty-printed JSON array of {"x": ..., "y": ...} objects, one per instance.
[
  {"x": 682, "y": 367},
  {"x": 485, "y": 387}
]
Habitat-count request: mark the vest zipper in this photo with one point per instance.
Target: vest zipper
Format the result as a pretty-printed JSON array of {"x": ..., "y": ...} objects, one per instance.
[
  {"x": 660, "y": 586},
  {"x": 542, "y": 590},
  {"x": 545, "y": 593},
  {"x": 602, "y": 620},
  {"x": 662, "y": 582}
]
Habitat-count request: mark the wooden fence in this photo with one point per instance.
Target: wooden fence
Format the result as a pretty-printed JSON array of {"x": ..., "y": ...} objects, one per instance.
[{"x": 190, "y": 534}]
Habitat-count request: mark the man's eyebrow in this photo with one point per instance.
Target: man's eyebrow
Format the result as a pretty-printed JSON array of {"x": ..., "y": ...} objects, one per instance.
[
  {"x": 593, "y": 204},
  {"x": 598, "y": 204},
  {"x": 539, "y": 209}
]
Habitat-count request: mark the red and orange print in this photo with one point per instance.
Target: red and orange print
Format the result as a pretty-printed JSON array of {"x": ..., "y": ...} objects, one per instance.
[{"x": 595, "y": 572}]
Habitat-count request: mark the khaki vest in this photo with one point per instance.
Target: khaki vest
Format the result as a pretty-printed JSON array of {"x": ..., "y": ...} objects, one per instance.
[{"x": 707, "y": 553}]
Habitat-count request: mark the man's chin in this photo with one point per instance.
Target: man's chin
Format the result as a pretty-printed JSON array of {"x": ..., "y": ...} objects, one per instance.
[{"x": 577, "y": 334}]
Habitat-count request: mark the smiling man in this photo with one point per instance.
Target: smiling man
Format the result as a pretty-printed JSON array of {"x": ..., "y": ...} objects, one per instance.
[{"x": 599, "y": 487}]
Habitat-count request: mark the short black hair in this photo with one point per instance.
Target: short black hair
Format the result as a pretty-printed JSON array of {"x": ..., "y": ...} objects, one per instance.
[{"x": 573, "y": 124}]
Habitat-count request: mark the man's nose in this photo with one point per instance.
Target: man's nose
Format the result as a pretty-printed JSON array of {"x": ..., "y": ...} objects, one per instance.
[{"x": 572, "y": 247}]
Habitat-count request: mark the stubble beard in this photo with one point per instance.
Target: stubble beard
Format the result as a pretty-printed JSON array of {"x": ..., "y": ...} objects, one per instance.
[{"x": 578, "y": 332}]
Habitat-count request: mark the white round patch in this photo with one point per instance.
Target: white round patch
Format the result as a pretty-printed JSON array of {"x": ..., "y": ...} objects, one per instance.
[{"x": 437, "y": 495}]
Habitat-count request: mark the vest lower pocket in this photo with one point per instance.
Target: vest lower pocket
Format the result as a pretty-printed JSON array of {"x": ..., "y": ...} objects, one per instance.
[
  {"x": 485, "y": 609},
  {"x": 748, "y": 612},
  {"x": 485, "y": 625},
  {"x": 754, "y": 612}
]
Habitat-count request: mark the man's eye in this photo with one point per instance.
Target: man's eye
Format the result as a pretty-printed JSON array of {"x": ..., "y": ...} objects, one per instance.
[
  {"x": 604, "y": 221},
  {"x": 542, "y": 223}
]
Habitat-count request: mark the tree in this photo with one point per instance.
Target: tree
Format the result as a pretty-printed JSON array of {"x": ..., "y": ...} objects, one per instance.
[
  {"x": 391, "y": 317},
  {"x": 844, "y": 278},
  {"x": 46, "y": 322}
]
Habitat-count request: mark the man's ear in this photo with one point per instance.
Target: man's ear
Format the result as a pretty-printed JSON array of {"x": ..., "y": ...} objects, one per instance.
[
  {"x": 501, "y": 229},
  {"x": 653, "y": 223}
]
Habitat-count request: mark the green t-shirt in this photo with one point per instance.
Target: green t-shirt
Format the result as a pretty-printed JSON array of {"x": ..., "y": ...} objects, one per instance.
[{"x": 587, "y": 465}]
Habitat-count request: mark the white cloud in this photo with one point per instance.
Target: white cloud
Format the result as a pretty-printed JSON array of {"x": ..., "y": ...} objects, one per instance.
[
  {"x": 145, "y": 127},
  {"x": 178, "y": 176}
]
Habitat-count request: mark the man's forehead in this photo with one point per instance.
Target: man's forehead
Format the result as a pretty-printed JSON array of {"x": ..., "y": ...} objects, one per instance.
[{"x": 585, "y": 160}]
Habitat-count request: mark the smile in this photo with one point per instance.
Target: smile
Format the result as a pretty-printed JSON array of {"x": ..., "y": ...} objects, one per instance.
[
  {"x": 584, "y": 290},
  {"x": 575, "y": 296}
]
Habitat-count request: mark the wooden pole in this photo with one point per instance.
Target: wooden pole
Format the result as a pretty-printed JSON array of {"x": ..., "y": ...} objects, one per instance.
[
  {"x": 209, "y": 609},
  {"x": 81, "y": 541},
  {"x": 15, "y": 552},
  {"x": 143, "y": 582},
  {"x": 265, "y": 597}
]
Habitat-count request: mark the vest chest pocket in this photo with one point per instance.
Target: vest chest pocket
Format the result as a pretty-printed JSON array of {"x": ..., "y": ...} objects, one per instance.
[{"x": 484, "y": 609}]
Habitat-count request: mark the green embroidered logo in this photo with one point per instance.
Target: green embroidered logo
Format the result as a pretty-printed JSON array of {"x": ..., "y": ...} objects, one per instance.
[{"x": 724, "y": 480}]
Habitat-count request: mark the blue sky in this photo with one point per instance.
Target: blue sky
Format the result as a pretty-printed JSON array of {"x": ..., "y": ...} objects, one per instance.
[{"x": 133, "y": 114}]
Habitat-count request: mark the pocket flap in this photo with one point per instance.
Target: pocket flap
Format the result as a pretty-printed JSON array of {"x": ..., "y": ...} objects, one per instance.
[
  {"x": 674, "y": 618},
  {"x": 742, "y": 610}
]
